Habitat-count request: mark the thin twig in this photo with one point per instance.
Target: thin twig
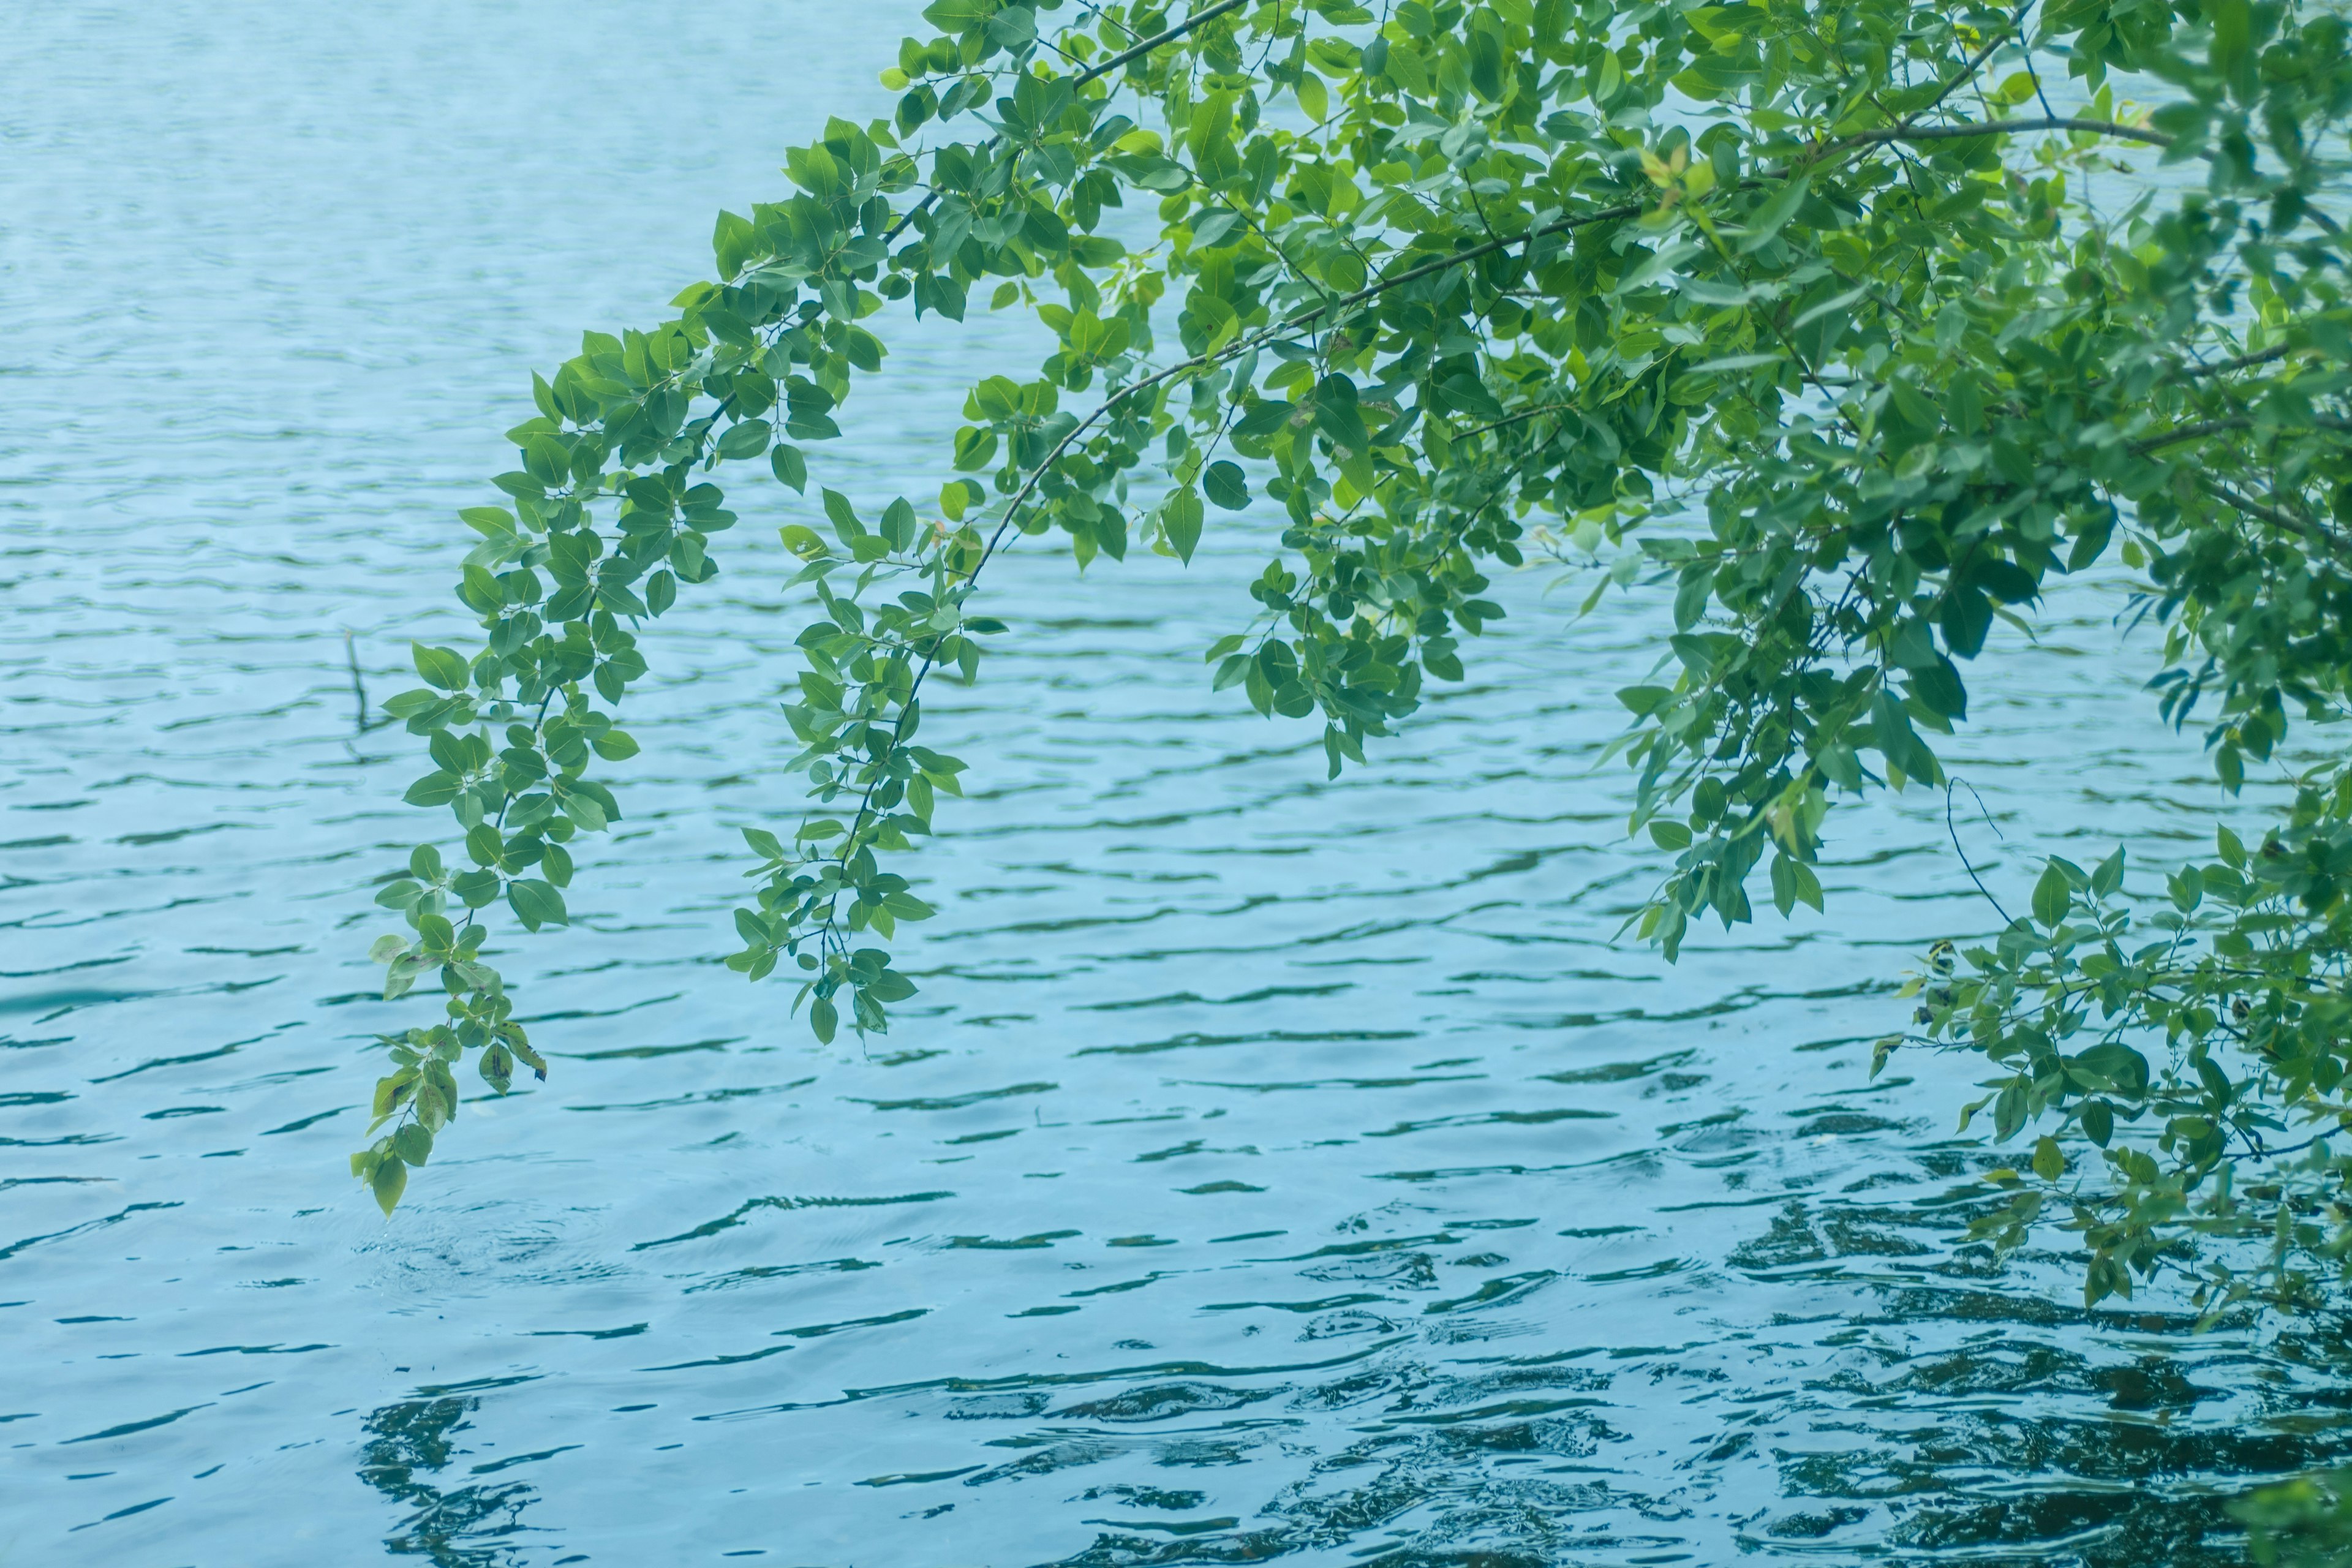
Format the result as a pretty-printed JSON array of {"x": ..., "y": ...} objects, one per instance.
[
  {"x": 1092, "y": 73},
  {"x": 2269, "y": 514},
  {"x": 2242, "y": 362},
  {"x": 2203, "y": 427},
  {"x": 1968, "y": 72},
  {"x": 1523, "y": 414},
  {"x": 1955, "y": 832},
  {"x": 1996, "y": 127}
]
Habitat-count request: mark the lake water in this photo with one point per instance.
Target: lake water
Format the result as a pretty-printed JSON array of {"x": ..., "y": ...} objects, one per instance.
[{"x": 1270, "y": 1168}]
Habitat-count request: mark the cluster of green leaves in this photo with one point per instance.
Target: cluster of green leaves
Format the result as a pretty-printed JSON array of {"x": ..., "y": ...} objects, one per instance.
[
  {"x": 2305, "y": 1522},
  {"x": 1825, "y": 321},
  {"x": 2235, "y": 985}
]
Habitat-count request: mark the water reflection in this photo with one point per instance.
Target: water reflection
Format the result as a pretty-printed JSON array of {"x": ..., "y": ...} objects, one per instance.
[{"x": 469, "y": 1526}]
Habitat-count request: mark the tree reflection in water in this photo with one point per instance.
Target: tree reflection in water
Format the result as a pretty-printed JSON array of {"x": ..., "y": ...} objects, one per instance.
[{"x": 465, "y": 1527}]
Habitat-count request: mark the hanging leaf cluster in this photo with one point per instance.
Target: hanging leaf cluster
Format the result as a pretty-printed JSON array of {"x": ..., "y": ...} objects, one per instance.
[{"x": 1849, "y": 331}]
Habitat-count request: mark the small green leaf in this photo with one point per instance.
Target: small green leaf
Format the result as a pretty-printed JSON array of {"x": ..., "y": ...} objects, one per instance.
[
  {"x": 748, "y": 439},
  {"x": 844, "y": 516},
  {"x": 1312, "y": 95},
  {"x": 445, "y": 668},
  {"x": 1773, "y": 215},
  {"x": 537, "y": 904},
  {"x": 824, "y": 1019},
  {"x": 890, "y": 987},
  {"x": 479, "y": 889},
  {"x": 389, "y": 1180},
  {"x": 1226, "y": 487},
  {"x": 790, "y": 465},
  {"x": 1180, "y": 515},
  {"x": 2049, "y": 1163},
  {"x": 433, "y": 789},
  {"x": 2051, "y": 897},
  {"x": 547, "y": 462}
]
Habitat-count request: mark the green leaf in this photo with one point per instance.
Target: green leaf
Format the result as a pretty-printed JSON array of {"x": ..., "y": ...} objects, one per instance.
[
  {"x": 2116, "y": 1065},
  {"x": 904, "y": 905},
  {"x": 1773, "y": 215},
  {"x": 1939, "y": 686},
  {"x": 1336, "y": 413},
  {"x": 1312, "y": 97},
  {"x": 1264, "y": 418},
  {"x": 389, "y": 1180},
  {"x": 889, "y": 987},
  {"x": 2051, "y": 896},
  {"x": 537, "y": 904},
  {"x": 1226, "y": 487},
  {"x": 1180, "y": 516},
  {"x": 824, "y": 1020},
  {"x": 2049, "y": 1163},
  {"x": 2109, "y": 874},
  {"x": 844, "y": 516},
  {"x": 445, "y": 668},
  {"x": 790, "y": 465},
  {"x": 433, "y": 789},
  {"x": 746, "y": 440},
  {"x": 476, "y": 889},
  {"x": 2232, "y": 49},
  {"x": 544, "y": 458}
]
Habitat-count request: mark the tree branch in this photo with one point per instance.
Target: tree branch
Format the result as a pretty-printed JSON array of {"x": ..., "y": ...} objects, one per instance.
[
  {"x": 1966, "y": 865},
  {"x": 2242, "y": 362},
  {"x": 1994, "y": 128},
  {"x": 2269, "y": 514},
  {"x": 1092, "y": 73},
  {"x": 2204, "y": 427},
  {"x": 1967, "y": 73}
]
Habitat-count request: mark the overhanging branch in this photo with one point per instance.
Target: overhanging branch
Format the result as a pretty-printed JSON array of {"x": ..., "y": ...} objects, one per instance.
[{"x": 1998, "y": 128}]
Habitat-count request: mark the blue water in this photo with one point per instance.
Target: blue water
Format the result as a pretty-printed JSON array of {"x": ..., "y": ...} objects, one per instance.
[{"x": 1269, "y": 1169}]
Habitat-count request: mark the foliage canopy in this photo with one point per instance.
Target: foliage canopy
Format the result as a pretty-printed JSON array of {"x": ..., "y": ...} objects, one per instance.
[{"x": 1849, "y": 329}]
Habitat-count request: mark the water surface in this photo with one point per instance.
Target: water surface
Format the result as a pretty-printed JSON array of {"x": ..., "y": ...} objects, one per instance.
[{"x": 1270, "y": 1168}]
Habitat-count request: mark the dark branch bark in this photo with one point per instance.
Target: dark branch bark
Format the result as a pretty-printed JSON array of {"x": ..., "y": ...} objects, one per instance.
[
  {"x": 2242, "y": 362},
  {"x": 2203, "y": 427},
  {"x": 2285, "y": 521}
]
